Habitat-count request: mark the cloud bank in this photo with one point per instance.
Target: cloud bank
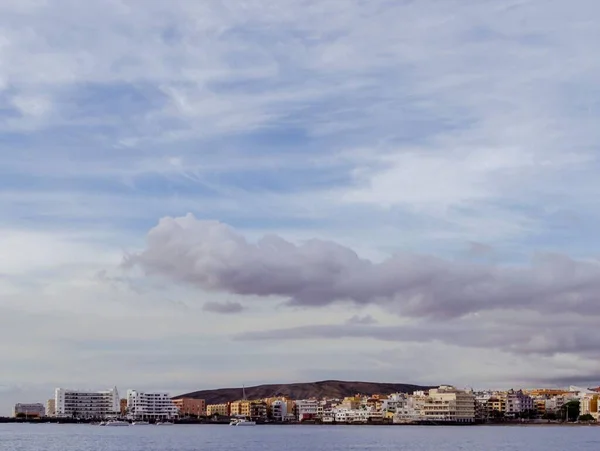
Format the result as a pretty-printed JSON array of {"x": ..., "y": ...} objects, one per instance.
[
  {"x": 213, "y": 256},
  {"x": 222, "y": 307}
]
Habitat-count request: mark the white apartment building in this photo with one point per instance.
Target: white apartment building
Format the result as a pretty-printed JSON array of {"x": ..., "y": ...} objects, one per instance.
[
  {"x": 328, "y": 415},
  {"x": 307, "y": 409},
  {"x": 29, "y": 410},
  {"x": 555, "y": 403},
  {"x": 393, "y": 402},
  {"x": 446, "y": 403},
  {"x": 279, "y": 410},
  {"x": 149, "y": 405},
  {"x": 343, "y": 415},
  {"x": 517, "y": 402},
  {"x": 412, "y": 409},
  {"x": 86, "y": 404}
]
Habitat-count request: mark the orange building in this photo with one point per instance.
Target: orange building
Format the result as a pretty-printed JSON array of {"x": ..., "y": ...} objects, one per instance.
[
  {"x": 545, "y": 392},
  {"x": 123, "y": 405},
  {"x": 190, "y": 406},
  {"x": 540, "y": 405}
]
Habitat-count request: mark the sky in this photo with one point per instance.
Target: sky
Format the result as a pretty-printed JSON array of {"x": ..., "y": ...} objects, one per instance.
[{"x": 205, "y": 194}]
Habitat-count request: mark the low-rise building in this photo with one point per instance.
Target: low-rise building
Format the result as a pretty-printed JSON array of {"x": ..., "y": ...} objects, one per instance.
[
  {"x": 555, "y": 403},
  {"x": 258, "y": 410},
  {"x": 393, "y": 402},
  {"x": 86, "y": 404},
  {"x": 240, "y": 408},
  {"x": 150, "y": 405},
  {"x": 545, "y": 392},
  {"x": 518, "y": 402},
  {"x": 412, "y": 410},
  {"x": 539, "y": 404},
  {"x": 496, "y": 406},
  {"x": 351, "y": 402},
  {"x": 29, "y": 410},
  {"x": 190, "y": 406},
  {"x": 223, "y": 409},
  {"x": 366, "y": 415},
  {"x": 307, "y": 409}
]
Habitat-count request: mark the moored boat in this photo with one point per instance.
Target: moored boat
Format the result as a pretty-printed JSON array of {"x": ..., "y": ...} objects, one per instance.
[
  {"x": 242, "y": 422},
  {"x": 117, "y": 423}
]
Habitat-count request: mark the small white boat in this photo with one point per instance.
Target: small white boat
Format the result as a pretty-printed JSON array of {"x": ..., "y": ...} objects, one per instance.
[
  {"x": 140, "y": 423},
  {"x": 117, "y": 423},
  {"x": 242, "y": 422},
  {"x": 164, "y": 423},
  {"x": 102, "y": 423}
]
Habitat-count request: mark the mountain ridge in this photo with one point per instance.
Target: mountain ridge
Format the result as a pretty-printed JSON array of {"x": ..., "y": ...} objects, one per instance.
[{"x": 303, "y": 390}]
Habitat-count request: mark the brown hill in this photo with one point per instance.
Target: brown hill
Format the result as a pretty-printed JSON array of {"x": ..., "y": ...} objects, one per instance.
[{"x": 329, "y": 389}]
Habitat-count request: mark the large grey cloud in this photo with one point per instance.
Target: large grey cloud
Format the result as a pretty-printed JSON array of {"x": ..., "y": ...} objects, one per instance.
[
  {"x": 515, "y": 337},
  {"x": 213, "y": 256},
  {"x": 222, "y": 307}
]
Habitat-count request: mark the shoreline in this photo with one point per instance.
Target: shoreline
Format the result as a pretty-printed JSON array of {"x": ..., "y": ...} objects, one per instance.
[{"x": 10, "y": 420}]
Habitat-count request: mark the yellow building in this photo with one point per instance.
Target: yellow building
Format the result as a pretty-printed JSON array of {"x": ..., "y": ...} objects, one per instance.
[
  {"x": 496, "y": 404},
  {"x": 218, "y": 409},
  {"x": 351, "y": 402},
  {"x": 241, "y": 408},
  {"x": 588, "y": 404},
  {"x": 51, "y": 407},
  {"x": 247, "y": 408},
  {"x": 375, "y": 402}
]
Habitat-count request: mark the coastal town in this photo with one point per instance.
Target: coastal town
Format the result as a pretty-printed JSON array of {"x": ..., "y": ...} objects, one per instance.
[{"x": 435, "y": 406}]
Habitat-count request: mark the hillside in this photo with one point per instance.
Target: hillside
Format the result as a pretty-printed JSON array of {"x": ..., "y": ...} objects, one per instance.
[{"x": 330, "y": 389}]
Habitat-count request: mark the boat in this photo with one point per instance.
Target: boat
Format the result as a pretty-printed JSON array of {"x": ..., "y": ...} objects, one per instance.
[
  {"x": 164, "y": 423},
  {"x": 117, "y": 423},
  {"x": 242, "y": 422},
  {"x": 139, "y": 423},
  {"x": 102, "y": 423}
]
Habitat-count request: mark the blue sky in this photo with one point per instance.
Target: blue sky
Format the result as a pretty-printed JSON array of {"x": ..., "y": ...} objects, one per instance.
[{"x": 452, "y": 139}]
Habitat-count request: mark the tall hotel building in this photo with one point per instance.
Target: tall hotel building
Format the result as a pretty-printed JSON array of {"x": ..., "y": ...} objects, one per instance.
[
  {"x": 150, "y": 405},
  {"x": 86, "y": 404}
]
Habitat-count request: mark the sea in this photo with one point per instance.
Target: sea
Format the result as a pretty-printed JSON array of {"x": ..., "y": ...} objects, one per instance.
[{"x": 53, "y": 437}]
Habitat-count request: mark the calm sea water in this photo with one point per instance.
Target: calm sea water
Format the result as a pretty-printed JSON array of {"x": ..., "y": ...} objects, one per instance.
[{"x": 46, "y": 437}]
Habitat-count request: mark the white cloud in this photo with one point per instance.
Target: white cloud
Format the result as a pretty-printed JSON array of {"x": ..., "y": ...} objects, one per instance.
[{"x": 32, "y": 106}]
